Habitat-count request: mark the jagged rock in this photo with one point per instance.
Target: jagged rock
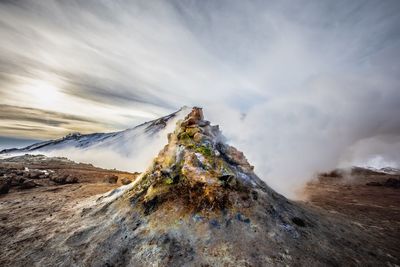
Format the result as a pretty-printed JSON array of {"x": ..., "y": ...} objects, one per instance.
[
  {"x": 4, "y": 186},
  {"x": 35, "y": 174},
  {"x": 392, "y": 182},
  {"x": 71, "y": 179},
  {"x": 28, "y": 184},
  {"x": 125, "y": 181},
  {"x": 20, "y": 180},
  {"x": 198, "y": 137},
  {"x": 112, "y": 179},
  {"x": 64, "y": 179}
]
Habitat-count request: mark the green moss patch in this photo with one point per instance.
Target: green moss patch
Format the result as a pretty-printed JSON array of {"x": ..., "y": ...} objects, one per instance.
[{"x": 204, "y": 150}]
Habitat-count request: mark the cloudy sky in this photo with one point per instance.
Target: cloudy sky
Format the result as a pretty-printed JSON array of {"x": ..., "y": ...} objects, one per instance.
[{"x": 305, "y": 84}]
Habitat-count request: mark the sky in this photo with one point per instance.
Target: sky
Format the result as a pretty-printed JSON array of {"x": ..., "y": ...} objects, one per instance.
[{"x": 299, "y": 86}]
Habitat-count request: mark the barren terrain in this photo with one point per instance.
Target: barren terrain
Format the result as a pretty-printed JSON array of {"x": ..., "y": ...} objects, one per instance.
[
  {"x": 29, "y": 216},
  {"x": 355, "y": 198}
]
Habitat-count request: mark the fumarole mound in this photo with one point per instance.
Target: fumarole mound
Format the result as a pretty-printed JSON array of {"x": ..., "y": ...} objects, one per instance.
[{"x": 200, "y": 204}]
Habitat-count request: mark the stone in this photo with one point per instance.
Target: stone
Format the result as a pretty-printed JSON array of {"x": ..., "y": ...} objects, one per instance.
[
  {"x": 203, "y": 123},
  {"x": 28, "y": 184},
  {"x": 71, "y": 180},
  {"x": 373, "y": 184},
  {"x": 198, "y": 137},
  {"x": 191, "y": 131},
  {"x": 59, "y": 179},
  {"x": 64, "y": 179},
  {"x": 392, "y": 182},
  {"x": 197, "y": 113},
  {"x": 194, "y": 117},
  {"x": 4, "y": 186},
  {"x": 112, "y": 179},
  {"x": 35, "y": 174},
  {"x": 125, "y": 181}
]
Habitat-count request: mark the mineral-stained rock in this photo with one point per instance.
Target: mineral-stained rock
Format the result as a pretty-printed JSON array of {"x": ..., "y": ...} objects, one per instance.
[{"x": 198, "y": 137}]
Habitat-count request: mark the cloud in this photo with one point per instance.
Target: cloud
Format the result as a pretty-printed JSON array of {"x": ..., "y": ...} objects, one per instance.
[
  {"x": 23, "y": 121},
  {"x": 293, "y": 84}
]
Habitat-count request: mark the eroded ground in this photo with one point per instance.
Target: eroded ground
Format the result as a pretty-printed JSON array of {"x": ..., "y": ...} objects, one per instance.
[
  {"x": 374, "y": 208},
  {"x": 28, "y": 216}
]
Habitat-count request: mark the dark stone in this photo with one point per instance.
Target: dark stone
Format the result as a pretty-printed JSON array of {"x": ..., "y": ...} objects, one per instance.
[
  {"x": 64, "y": 179},
  {"x": 35, "y": 174},
  {"x": 242, "y": 218},
  {"x": 392, "y": 182},
  {"x": 254, "y": 195},
  {"x": 28, "y": 184},
  {"x": 298, "y": 221},
  {"x": 203, "y": 123},
  {"x": 71, "y": 180},
  {"x": 150, "y": 206},
  {"x": 112, "y": 179},
  {"x": 227, "y": 180},
  {"x": 214, "y": 224},
  {"x": 4, "y": 186},
  {"x": 178, "y": 252},
  {"x": 373, "y": 184},
  {"x": 125, "y": 181}
]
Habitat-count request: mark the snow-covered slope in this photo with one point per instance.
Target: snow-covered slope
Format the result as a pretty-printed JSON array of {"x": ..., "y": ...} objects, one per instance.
[{"x": 110, "y": 150}]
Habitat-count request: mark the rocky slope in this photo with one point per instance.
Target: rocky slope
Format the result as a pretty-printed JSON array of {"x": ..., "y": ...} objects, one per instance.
[{"x": 199, "y": 204}]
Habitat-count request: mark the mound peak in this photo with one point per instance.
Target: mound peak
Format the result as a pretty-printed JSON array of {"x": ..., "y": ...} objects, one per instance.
[{"x": 197, "y": 169}]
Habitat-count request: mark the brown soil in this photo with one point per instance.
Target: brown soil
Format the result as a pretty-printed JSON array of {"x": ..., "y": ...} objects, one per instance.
[
  {"x": 28, "y": 217},
  {"x": 374, "y": 208}
]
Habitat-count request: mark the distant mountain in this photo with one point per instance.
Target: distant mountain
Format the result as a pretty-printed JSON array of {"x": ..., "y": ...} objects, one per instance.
[
  {"x": 123, "y": 142},
  {"x": 389, "y": 170},
  {"x": 199, "y": 203}
]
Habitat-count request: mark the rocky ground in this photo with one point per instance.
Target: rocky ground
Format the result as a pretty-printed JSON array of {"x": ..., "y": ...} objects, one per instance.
[
  {"x": 38, "y": 194},
  {"x": 31, "y": 171},
  {"x": 370, "y": 200},
  {"x": 198, "y": 204}
]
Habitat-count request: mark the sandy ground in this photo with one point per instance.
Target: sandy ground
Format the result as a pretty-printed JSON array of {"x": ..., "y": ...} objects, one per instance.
[
  {"x": 374, "y": 208},
  {"x": 28, "y": 217}
]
